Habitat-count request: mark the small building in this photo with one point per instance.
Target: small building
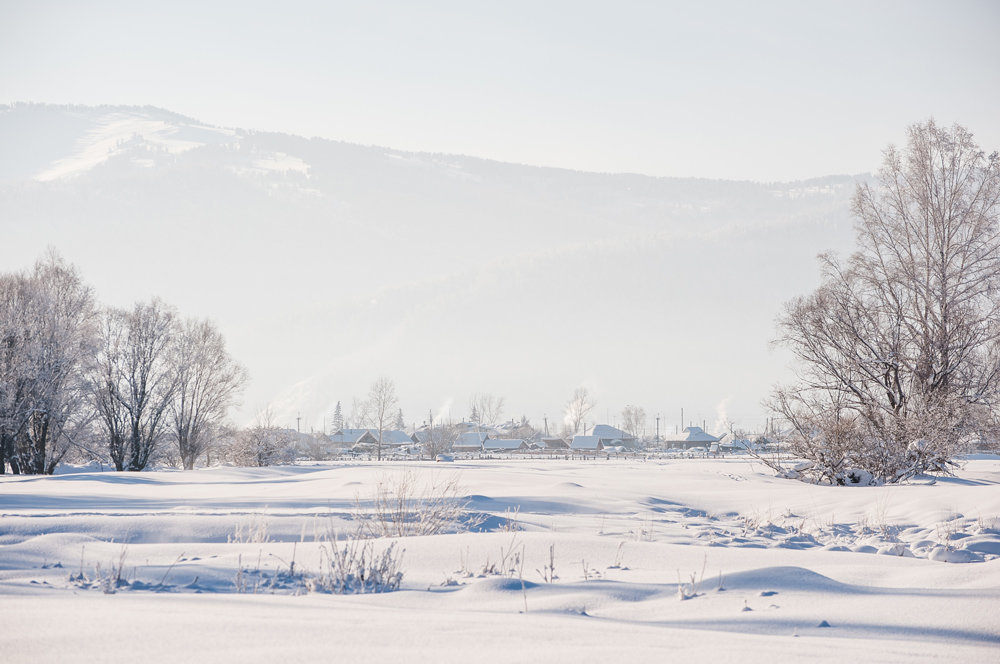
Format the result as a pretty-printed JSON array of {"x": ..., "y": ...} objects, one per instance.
[
  {"x": 351, "y": 437},
  {"x": 505, "y": 445},
  {"x": 554, "y": 445},
  {"x": 692, "y": 437},
  {"x": 367, "y": 439},
  {"x": 614, "y": 437},
  {"x": 393, "y": 438},
  {"x": 470, "y": 441},
  {"x": 590, "y": 444}
]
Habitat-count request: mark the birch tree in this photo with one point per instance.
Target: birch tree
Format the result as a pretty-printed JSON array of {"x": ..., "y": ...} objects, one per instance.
[
  {"x": 380, "y": 408},
  {"x": 898, "y": 350},
  {"x": 634, "y": 420},
  {"x": 47, "y": 327},
  {"x": 135, "y": 380},
  {"x": 262, "y": 444},
  {"x": 486, "y": 409},
  {"x": 577, "y": 410},
  {"x": 208, "y": 382}
]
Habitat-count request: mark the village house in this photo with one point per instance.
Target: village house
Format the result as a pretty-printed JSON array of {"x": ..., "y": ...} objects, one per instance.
[
  {"x": 470, "y": 441},
  {"x": 586, "y": 444},
  {"x": 692, "y": 437},
  {"x": 505, "y": 445}
]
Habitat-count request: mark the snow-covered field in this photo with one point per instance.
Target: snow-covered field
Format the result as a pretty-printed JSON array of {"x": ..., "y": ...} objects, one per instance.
[{"x": 572, "y": 561}]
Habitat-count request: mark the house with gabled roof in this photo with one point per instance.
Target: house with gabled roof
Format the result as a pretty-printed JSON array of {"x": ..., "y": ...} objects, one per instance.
[
  {"x": 367, "y": 438},
  {"x": 470, "y": 441},
  {"x": 505, "y": 445},
  {"x": 613, "y": 437},
  {"x": 554, "y": 445},
  {"x": 352, "y": 437},
  {"x": 692, "y": 437},
  {"x": 394, "y": 438},
  {"x": 582, "y": 443}
]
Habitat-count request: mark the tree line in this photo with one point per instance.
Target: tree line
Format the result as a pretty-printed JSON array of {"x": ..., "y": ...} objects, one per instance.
[
  {"x": 897, "y": 351},
  {"x": 110, "y": 382}
]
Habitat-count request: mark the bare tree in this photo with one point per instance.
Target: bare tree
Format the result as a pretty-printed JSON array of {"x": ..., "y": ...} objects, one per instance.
[
  {"x": 577, "y": 410},
  {"x": 899, "y": 349},
  {"x": 358, "y": 419},
  {"x": 439, "y": 438},
  {"x": 634, "y": 420},
  {"x": 47, "y": 333},
  {"x": 15, "y": 374},
  {"x": 486, "y": 409},
  {"x": 262, "y": 444},
  {"x": 523, "y": 429},
  {"x": 380, "y": 408},
  {"x": 135, "y": 381},
  {"x": 208, "y": 383}
]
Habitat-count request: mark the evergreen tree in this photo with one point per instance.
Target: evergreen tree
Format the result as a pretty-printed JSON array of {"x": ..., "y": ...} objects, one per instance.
[{"x": 338, "y": 418}]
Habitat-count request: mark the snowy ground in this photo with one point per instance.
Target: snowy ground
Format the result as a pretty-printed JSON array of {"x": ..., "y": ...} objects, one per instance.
[{"x": 201, "y": 566}]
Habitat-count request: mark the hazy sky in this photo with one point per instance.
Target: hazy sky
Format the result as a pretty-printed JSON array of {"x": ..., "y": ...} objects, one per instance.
[
  {"x": 735, "y": 90},
  {"x": 746, "y": 90}
]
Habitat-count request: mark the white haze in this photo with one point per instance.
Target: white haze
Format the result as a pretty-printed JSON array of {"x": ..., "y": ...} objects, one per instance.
[
  {"x": 328, "y": 264},
  {"x": 773, "y": 90}
]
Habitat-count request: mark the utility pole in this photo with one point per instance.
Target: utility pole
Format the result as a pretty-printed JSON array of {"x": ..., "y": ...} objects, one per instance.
[
  {"x": 682, "y": 419},
  {"x": 298, "y": 421},
  {"x": 657, "y": 428}
]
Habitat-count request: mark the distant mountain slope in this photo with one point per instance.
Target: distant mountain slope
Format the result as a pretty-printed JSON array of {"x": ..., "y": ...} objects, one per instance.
[{"x": 328, "y": 263}]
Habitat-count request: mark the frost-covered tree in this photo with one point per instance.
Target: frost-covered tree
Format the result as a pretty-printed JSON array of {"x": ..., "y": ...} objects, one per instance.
[
  {"x": 262, "y": 444},
  {"x": 208, "y": 382},
  {"x": 577, "y": 410},
  {"x": 898, "y": 350},
  {"x": 135, "y": 380},
  {"x": 523, "y": 429},
  {"x": 379, "y": 409},
  {"x": 634, "y": 420},
  {"x": 399, "y": 423},
  {"x": 358, "y": 419},
  {"x": 486, "y": 409},
  {"x": 47, "y": 338},
  {"x": 338, "y": 418}
]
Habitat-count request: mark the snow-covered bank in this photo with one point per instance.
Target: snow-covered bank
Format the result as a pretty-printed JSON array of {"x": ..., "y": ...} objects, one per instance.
[{"x": 762, "y": 560}]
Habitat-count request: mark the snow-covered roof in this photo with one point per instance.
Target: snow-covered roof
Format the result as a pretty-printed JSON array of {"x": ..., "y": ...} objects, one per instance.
[
  {"x": 471, "y": 439},
  {"x": 606, "y": 431},
  {"x": 355, "y": 436},
  {"x": 394, "y": 437},
  {"x": 505, "y": 444},
  {"x": 554, "y": 443},
  {"x": 586, "y": 443},
  {"x": 693, "y": 435},
  {"x": 352, "y": 436}
]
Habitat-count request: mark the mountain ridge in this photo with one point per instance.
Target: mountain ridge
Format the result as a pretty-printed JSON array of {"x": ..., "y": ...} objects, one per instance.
[
  {"x": 328, "y": 263},
  {"x": 17, "y": 106}
]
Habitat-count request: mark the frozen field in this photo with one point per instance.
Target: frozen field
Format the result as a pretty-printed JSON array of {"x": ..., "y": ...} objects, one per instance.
[{"x": 571, "y": 561}]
